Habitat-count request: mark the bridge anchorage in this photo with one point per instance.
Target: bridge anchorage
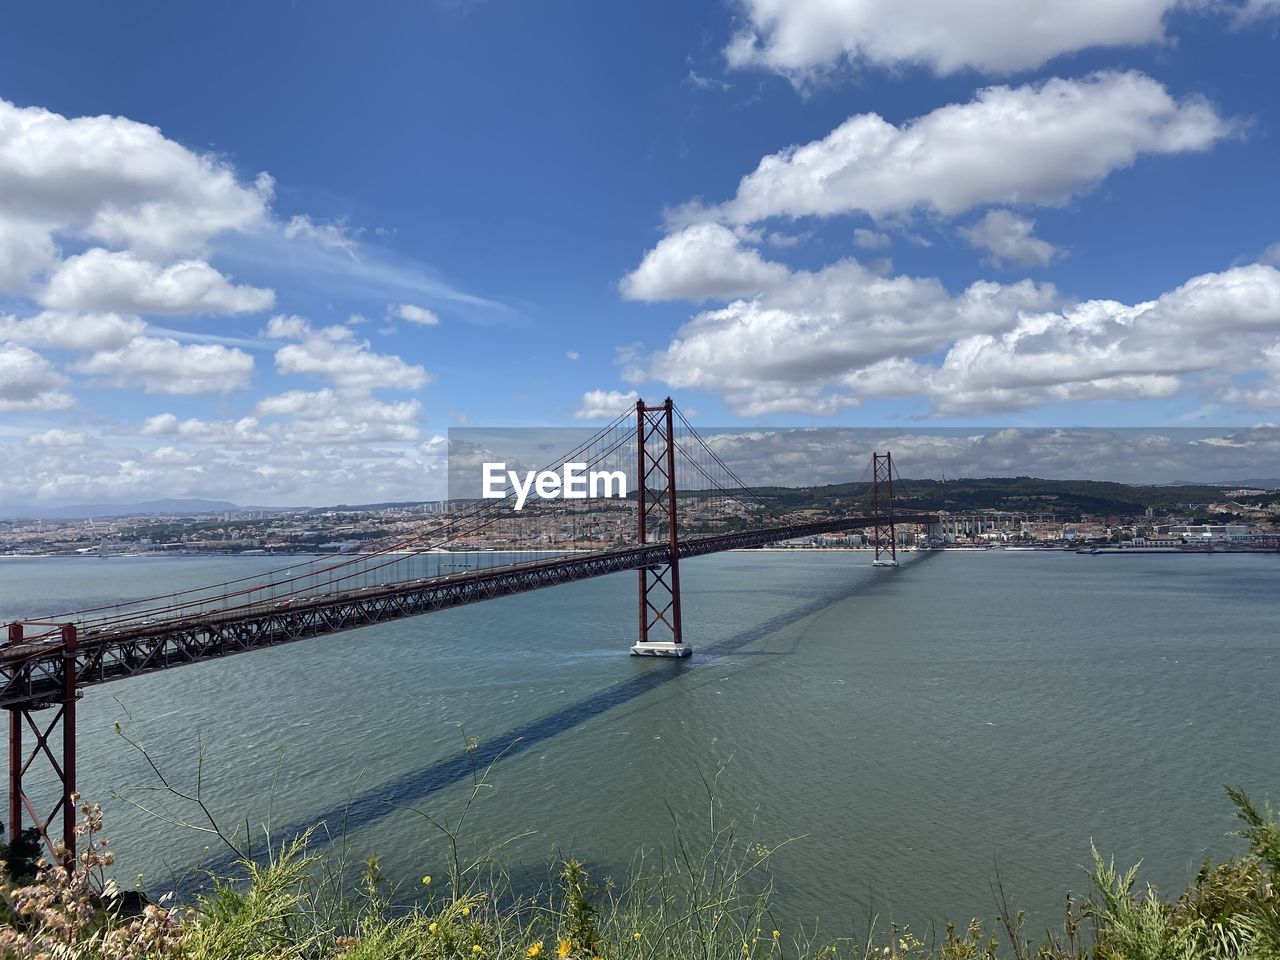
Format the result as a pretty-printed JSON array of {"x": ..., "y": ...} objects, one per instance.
[{"x": 688, "y": 503}]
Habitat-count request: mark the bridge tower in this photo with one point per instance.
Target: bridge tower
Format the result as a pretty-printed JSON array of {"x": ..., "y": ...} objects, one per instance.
[
  {"x": 660, "y": 631},
  {"x": 49, "y": 741},
  {"x": 886, "y": 535}
]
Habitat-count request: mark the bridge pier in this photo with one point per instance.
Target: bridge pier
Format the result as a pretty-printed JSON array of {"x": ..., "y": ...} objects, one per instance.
[
  {"x": 660, "y": 631},
  {"x": 886, "y": 533},
  {"x": 23, "y": 717}
]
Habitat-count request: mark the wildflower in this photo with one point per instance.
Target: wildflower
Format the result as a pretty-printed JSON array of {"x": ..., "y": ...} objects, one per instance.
[
  {"x": 534, "y": 951},
  {"x": 775, "y": 934},
  {"x": 426, "y": 881},
  {"x": 563, "y": 949},
  {"x": 636, "y": 934},
  {"x": 466, "y": 911},
  {"x": 477, "y": 949},
  {"x": 432, "y": 927}
]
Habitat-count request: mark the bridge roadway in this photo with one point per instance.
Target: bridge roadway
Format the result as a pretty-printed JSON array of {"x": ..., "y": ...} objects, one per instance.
[{"x": 31, "y": 674}]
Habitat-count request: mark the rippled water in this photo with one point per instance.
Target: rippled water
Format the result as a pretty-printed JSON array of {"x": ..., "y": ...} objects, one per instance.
[{"x": 914, "y": 729}]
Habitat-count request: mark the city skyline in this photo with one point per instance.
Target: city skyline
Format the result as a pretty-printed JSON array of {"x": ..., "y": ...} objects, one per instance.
[{"x": 276, "y": 258}]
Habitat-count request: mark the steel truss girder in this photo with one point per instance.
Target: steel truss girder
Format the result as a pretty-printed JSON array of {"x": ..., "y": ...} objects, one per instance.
[{"x": 32, "y": 675}]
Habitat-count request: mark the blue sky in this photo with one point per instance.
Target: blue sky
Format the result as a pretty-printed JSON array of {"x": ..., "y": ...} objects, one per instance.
[{"x": 993, "y": 219}]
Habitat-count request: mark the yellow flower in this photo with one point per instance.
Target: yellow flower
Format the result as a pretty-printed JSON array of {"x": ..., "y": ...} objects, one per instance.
[
  {"x": 637, "y": 935},
  {"x": 775, "y": 934},
  {"x": 432, "y": 927},
  {"x": 477, "y": 949},
  {"x": 426, "y": 881},
  {"x": 466, "y": 911},
  {"x": 563, "y": 949},
  {"x": 534, "y": 951}
]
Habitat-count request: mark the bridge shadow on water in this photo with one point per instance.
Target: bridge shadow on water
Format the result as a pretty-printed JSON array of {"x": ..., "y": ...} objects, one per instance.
[{"x": 383, "y": 801}]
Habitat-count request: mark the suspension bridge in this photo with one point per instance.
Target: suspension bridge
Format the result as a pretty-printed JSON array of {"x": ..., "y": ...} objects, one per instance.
[{"x": 687, "y": 502}]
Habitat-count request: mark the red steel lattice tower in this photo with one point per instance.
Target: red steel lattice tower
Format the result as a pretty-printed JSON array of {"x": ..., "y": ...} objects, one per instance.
[
  {"x": 886, "y": 535},
  {"x": 23, "y": 716},
  {"x": 660, "y": 631}
]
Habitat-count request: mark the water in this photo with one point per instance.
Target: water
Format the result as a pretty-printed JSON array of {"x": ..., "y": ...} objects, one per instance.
[{"x": 914, "y": 729}]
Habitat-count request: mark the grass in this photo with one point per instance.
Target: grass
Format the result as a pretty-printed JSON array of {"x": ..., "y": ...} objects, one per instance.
[{"x": 705, "y": 899}]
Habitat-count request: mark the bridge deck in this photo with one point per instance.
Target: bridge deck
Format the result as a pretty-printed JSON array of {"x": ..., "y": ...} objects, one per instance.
[{"x": 31, "y": 674}]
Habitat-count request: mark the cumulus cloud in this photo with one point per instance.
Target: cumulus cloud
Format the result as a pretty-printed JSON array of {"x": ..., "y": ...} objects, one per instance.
[
  {"x": 162, "y": 365},
  {"x": 800, "y": 39},
  {"x": 604, "y": 404},
  {"x": 28, "y": 381},
  {"x": 117, "y": 181},
  {"x": 818, "y": 325},
  {"x": 72, "y": 331},
  {"x": 700, "y": 262},
  {"x": 26, "y": 251},
  {"x": 334, "y": 354},
  {"x": 104, "y": 280},
  {"x": 221, "y": 459},
  {"x": 1254, "y": 10},
  {"x": 870, "y": 239},
  {"x": 819, "y": 455},
  {"x": 325, "y": 416},
  {"x": 414, "y": 314},
  {"x": 1009, "y": 239},
  {"x": 244, "y": 431},
  {"x": 1039, "y": 143},
  {"x": 287, "y": 327},
  {"x": 56, "y": 437},
  {"x": 827, "y": 339}
]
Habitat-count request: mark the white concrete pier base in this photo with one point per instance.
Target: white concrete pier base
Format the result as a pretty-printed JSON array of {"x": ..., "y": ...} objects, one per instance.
[{"x": 666, "y": 649}]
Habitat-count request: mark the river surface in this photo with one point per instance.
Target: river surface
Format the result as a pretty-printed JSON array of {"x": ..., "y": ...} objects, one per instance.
[{"x": 912, "y": 731}]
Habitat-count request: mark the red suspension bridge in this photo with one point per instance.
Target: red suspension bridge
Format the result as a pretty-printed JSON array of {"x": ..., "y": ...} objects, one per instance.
[{"x": 687, "y": 503}]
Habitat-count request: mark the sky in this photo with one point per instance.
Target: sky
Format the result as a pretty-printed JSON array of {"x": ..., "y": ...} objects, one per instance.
[{"x": 272, "y": 252}]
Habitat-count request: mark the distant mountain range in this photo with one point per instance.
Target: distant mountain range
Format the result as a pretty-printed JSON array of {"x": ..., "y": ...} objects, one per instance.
[
  {"x": 988, "y": 492},
  {"x": 86, "y": 511}
]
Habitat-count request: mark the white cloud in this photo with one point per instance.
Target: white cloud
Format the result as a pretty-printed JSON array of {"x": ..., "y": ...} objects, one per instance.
[
  {"x": 162, "y": 365},
  {"x": 414, "y": 314},
  {"x": 700, "y": 262},
  {"x": 330, "y": 236},
  {"x": 244, "y": 431},
  {"x": 800, "y": 39},
  {"x": 1041, "y": 143},
  {"x": 56, "y": 437},
  {"x": 333, "y": 353},
  {"x": 120, "y": 182},
  {"x": 28, "y": 381},
  {"x": 325, "y": 416},
  {"x": 287, "y": 327},
  {"x": 605, "y": 404},
  {"x": 820, "y": 324},
  {"x": 572, "y": 355},
  {"x": 26, "y": 251},
  {"x": 103, "y": 280},
  {"x": 870, "y": 239},
  {"x": 824, "y": 340},
  {"x": 1009, "y": 239},
  {"x": 71, "y": 331},
  {"x": 1254, "y": 10},
  {"x": 817, "y": 455}
]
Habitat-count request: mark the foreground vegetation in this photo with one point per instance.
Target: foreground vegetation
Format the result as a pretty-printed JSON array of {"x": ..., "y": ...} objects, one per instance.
[{"x": 708, "y": 904}]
